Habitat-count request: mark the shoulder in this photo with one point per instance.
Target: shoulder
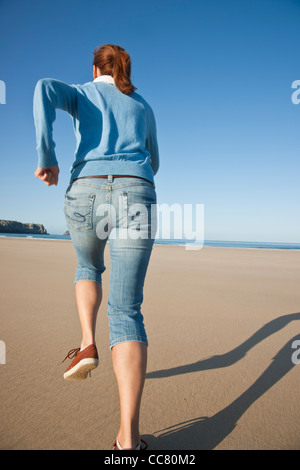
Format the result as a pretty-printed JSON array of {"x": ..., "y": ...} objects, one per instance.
[
  {"x": 91, "y": 88},
  {"x": 136, "y": 96},
  {"x": 54, "y": 84},
  {"x": 145, "y": 103}
]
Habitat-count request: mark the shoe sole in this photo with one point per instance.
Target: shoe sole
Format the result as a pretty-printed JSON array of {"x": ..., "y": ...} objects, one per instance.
[{"x": 81, "y": 370}]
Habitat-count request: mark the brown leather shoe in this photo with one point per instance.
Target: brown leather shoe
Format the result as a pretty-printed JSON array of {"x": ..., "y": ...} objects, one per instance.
[{"x": 83, "y": 362}]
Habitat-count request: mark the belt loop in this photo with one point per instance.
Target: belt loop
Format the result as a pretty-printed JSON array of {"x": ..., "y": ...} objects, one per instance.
[{"x": 110, "y": 178}]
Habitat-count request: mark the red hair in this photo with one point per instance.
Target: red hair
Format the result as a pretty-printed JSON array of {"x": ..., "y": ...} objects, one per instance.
[{"x": 114, "y": 61}]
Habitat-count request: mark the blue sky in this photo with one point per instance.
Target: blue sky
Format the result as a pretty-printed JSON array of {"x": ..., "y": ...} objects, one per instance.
[{"x": 218, "y": 75}]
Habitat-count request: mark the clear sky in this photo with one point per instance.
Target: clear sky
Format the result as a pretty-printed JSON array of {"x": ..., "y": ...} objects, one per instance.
[{"x": 218, "y": 75}]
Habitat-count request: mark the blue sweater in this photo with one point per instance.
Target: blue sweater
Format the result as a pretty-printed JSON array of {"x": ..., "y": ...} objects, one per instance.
[{"x": 115, "y": 133}]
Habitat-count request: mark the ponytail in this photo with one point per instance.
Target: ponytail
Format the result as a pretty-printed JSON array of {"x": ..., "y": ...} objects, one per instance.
[{"x": 115, "y": 61}]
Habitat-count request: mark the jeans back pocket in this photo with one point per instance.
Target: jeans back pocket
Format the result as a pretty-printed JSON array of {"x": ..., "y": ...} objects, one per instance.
[{"x": 78, "y": 211}]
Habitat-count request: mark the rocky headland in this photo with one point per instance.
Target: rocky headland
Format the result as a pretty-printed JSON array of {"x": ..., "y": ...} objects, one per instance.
[{"x": 12, "y": 226}]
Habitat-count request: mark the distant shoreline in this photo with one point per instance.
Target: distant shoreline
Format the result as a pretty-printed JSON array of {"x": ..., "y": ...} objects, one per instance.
[{"x": 183, "y": 243}]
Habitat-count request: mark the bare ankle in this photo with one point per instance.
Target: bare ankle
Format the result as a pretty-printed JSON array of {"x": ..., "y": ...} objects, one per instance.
[
  {"x": 128, "y": 441},
  {"x": 85, "y": 344}
]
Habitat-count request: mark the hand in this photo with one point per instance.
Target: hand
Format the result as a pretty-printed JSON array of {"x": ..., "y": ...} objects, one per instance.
[{"x": 48, "y": 175}]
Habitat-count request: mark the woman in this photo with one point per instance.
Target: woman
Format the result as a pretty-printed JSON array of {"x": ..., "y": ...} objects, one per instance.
[{"x": 111, "y": 193}]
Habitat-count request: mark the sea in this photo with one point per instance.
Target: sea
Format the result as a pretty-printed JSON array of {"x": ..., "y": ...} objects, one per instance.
[{"x": 182, "y": 242}]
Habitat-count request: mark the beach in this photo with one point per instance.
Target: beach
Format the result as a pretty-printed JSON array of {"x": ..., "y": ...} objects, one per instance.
[{"x": 220, "y": 321}]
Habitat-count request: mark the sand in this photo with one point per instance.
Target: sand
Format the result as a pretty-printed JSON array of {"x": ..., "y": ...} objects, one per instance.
[{"x": 220, "y": 321}]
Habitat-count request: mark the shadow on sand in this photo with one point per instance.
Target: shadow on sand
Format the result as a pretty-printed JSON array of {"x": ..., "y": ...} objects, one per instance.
[{"x": 207, "y": 432}]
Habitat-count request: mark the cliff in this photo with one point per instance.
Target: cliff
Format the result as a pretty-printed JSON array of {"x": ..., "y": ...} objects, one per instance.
[{"x": 11, "y": 226}]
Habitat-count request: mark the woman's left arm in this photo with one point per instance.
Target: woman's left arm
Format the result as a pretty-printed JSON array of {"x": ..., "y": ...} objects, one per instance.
[{"x": 50, "y": 94}]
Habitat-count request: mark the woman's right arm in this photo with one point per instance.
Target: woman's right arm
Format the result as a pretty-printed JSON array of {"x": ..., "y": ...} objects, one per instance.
[
  {"x": 50, "y": 94},
  {"x": 151, "y": 141}
]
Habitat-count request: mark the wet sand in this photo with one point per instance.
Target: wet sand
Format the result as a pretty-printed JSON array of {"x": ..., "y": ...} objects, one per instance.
[{"x": 220, "y": 321}]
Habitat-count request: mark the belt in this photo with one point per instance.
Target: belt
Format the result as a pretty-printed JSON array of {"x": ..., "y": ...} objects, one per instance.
[{"x": 114, "y": 176}]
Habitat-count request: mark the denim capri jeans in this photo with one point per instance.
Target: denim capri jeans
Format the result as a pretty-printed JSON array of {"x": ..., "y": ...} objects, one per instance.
[{"x": 122, "y": 212}]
